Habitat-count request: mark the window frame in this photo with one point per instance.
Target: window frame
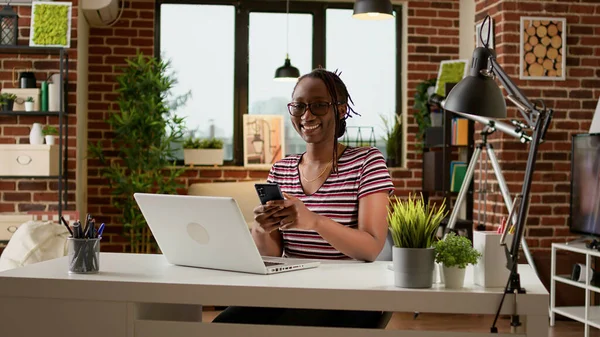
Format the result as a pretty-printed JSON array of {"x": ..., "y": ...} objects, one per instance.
[{"x": 243, "y": 8}]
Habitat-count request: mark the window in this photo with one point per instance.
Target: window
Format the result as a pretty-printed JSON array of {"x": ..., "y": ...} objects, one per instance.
[
  {"x": 267, "y": 51},
  {"x": 229, "y": 70}
]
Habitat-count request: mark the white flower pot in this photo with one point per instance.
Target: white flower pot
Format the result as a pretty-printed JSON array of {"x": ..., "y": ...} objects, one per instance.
[
  {"x": 35, "y": 135},
  {"x": 203, "y": 156},
  {"x": 454, "y": 277},
  {"x": 28, "y": 106},
  {"x": 49, "y": 139}
]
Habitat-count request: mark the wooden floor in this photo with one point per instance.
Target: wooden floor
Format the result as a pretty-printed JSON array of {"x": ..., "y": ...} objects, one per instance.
[{"x": 472, "y": 323}]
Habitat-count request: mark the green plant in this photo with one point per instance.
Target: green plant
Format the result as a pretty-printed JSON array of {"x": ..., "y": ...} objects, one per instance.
[
  {"x": 8, "y": 97},
  {"x": 197, "y": 143},
  {"x": 422, "y": 110},
  {"x": 393, "y": 138},
  {"x": 50, "y": 24},
  {"x": 456, "y": 251},
  {"x": 414, "y": 224},
  {"x": 146, "y": 133},
  {"x": 29, "y": 99},
  {"x": 49, "y": 130}
]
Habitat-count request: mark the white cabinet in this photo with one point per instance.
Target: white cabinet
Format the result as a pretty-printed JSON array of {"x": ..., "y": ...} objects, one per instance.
[{"x": 587, "y": 314}]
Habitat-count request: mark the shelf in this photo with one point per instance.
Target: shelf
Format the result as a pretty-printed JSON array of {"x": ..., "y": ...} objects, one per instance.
[
  {"x": 565, "y": 279},
  {"x": 30, "y": 50},
  {"x": 29, "y": 113},
  {"x": 30, "y": 177},
  {"x": 578, "y": 314},
  {"x": 577, "y": 247}
]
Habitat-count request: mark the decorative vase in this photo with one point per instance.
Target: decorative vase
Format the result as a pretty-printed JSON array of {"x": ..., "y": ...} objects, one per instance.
[
  {"x": 28, "y": 106},
  {"x": 49, "y": 139},
  {"x": 454, "y": 277},
  {"x": 35, "y": 135},
  {"x": 413, "y": 267}
]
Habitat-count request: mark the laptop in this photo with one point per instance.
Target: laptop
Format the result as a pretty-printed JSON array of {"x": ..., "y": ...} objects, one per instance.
[{"x": 208, "y": 232}]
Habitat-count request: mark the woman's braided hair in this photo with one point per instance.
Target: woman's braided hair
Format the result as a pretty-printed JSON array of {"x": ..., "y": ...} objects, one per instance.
[{"x": 339, "y": 96}]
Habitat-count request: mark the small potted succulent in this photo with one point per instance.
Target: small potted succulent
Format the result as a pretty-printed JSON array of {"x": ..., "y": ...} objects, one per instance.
[
  {"x": 207, "y": 151},
  {"x": 29, "y": 103},
  {"x": 455, "y": 252},
  {"x": 49, "y": 132}
]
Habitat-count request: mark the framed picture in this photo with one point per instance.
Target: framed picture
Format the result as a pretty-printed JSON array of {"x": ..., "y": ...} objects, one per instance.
[
  {"x": 543, "y": 48},
  {"x": 264, "y": 141},
  {"x": 451, "y": 71},
  {"x": 482, "y": 33},
  {"x": 50, "y": 24}
]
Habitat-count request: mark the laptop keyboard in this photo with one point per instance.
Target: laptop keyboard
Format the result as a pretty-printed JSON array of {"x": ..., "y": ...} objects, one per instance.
[{"x": 268, "y": 264}]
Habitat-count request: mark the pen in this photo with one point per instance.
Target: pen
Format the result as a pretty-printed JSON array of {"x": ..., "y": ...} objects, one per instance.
[
  {"x": 66, "y": 225},
  {"x": 76, "y": 229},
  {"x": 100, "y": 230}
]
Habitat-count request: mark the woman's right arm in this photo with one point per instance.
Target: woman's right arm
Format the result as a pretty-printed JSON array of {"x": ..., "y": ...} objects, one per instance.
[{"x": 265, "y": 231}]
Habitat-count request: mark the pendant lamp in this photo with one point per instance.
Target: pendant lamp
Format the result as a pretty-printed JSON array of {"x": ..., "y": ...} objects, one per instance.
[
  {"x": 373, "y": 10},
  {"x": 287, "y": 72}
]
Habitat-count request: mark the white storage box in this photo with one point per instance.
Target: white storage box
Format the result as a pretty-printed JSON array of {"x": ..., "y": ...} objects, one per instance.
[
  {"x": 28, "y": 160},
  {"x": 9, "y": 223},
  {"x": 491, "y": 271}
]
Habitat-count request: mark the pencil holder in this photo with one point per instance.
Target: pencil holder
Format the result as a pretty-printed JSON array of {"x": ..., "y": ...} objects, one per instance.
[{"x": 83, "y": 255}]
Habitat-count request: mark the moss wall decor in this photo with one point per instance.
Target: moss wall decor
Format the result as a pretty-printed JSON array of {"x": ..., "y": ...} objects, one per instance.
[
  {"x": 50, "y": 24},
  {"x": 450, "y": 72}
]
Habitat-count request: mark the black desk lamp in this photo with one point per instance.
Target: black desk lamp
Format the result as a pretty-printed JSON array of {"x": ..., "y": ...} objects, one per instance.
[{"x": 477, "y": 96}]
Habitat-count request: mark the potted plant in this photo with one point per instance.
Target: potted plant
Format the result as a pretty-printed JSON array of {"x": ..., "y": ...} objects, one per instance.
[
  {"x": 8, "y": 101},
  {"x": 49, "y": 132},
  {"x": 455, "y": 252},
  {"x": 393, "y": 140},
  {"x": 421, "y": 105},
  {"x": 145, "y": 134},
  {"x": 29, "y": 104},
  {"x": 208, "y": 151},
  {"x": 414, "y": 226}
]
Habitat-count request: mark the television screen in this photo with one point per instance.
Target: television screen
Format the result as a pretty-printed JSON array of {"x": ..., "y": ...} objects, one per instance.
[{"x": 585, "y": 184}]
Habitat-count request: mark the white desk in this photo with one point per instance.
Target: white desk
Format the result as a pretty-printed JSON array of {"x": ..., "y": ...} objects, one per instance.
[{"x": 143, "y": 295}]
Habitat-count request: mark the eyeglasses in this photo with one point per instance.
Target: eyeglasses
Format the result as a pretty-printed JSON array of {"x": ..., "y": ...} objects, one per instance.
[{"x": 317, "y": 108}]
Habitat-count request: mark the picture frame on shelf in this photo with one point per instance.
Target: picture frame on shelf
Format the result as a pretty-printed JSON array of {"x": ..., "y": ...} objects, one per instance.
[
  {"x": 264, "y": 140},
  {"x": 51, "y": 24},
  {"x": 451, "y": 71},
  {"x": 542, "y": 48}
]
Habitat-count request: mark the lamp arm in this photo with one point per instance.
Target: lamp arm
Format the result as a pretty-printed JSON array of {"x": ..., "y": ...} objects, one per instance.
[{"x": 515, "y": 95}]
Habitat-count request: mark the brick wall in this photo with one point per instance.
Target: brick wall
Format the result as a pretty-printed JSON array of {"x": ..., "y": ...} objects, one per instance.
[
  {"x": 573, "y": 100},
  {"x": 40, "y": 194},
  {"x": 432, "y": 37}
]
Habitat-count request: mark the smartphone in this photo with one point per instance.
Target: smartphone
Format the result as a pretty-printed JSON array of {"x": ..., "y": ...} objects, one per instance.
[{"x": 268, "y": 192}]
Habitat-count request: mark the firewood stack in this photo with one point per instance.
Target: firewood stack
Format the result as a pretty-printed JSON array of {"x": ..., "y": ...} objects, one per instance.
[{"x": 543, "y": 48}]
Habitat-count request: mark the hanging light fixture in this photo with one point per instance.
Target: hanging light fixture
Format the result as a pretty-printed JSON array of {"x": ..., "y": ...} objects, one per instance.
[
  {"x": 373, "y": 10},
  {"x": 287, "y": 72}
]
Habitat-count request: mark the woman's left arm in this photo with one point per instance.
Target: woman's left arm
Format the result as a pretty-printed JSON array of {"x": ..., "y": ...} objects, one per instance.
[{"x": 364, "y": 243}]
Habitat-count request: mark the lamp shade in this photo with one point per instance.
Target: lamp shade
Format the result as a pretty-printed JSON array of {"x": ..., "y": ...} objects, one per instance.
[
  {"x": 373, "y": 10},
  {"x": 287, "y": 72},
  {"x": 477, "y": 94}
]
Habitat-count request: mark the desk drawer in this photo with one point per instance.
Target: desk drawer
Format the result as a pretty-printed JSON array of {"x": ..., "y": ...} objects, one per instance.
[{"x": 28, "y": 160}]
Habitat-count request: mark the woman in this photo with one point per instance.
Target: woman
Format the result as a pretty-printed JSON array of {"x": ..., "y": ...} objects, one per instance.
[{"x": 336, "y": 201}]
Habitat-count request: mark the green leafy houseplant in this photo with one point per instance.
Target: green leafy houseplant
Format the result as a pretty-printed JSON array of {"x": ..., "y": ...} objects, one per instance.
[
  {"x": 146, "y": 133},
  {"x": 7, "y": 100},
  {"x": 422, "y": 111},
  {"x": 49, "y": 130},
  {"x": 393, "y": 140},
  {"x": 456, "y": 251},
  {"x": 198, "y": 143},
  {"x": 414, "y": 224}
]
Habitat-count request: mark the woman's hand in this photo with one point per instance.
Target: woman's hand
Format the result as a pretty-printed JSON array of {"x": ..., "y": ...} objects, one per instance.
[
  {"x": 294, "y": 214},
  {"x": 264, "y": 218}
]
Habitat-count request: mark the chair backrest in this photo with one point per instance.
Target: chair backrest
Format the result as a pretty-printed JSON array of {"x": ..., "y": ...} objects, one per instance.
[{"x": 242, "y": 191}]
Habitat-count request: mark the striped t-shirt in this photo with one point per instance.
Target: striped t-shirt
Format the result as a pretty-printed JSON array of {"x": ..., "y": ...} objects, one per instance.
[{"x": 361, "y": 171}]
